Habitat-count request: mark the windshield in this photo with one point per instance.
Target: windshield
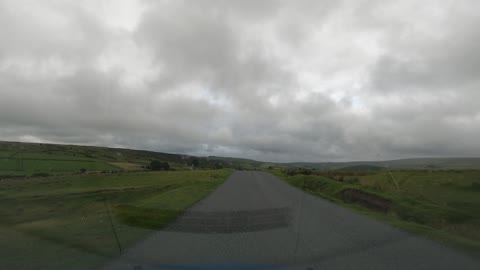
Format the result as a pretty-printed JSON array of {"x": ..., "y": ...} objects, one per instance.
[{"x": 239, "y": 134}]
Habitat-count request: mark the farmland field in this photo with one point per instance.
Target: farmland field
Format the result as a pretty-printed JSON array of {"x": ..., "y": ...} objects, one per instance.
[
  {"x": 26, "y": 159},
  {"x": 27, "y": 162}
]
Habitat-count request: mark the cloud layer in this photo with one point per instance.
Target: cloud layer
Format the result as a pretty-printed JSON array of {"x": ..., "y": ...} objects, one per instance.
[{"x": 269, "y": 80}]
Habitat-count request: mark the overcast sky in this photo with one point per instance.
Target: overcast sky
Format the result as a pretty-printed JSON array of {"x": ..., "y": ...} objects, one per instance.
[{"x": 269, "y": 80}]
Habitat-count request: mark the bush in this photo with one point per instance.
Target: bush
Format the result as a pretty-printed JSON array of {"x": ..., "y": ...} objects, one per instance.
[
  {"x": 195, "y": 162},
  {"x": 156, "y": 165}
]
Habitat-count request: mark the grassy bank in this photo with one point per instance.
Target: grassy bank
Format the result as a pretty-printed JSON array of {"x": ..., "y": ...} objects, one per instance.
[
  {"x": 70, "y": 222},
  {"x": 442, "y": 205}
]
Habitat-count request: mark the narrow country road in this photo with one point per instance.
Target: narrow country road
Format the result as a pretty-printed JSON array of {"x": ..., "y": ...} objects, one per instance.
[{"x": 256, "y": 221}]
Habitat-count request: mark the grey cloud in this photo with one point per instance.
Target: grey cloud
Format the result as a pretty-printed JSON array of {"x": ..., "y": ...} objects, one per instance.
[
  {"x": 270, "y": 80},
  {"x": 36, "y": 31},
  {"x": 207, "y": 46},
  {"x": 445, "y": 59}
]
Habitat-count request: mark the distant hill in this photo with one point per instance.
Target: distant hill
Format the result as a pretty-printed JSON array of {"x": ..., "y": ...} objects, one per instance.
[
  {"x": 362, "y": 168},
  {"x": 238, "y": 163},
  {"x": 17, "y": 158},
  {"x": 411, "y": 163}
]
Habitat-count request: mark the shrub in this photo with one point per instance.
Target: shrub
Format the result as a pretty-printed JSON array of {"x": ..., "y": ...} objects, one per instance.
[
  {"x": 195, "y": 162},
  {"x": 156, "y": 165}
]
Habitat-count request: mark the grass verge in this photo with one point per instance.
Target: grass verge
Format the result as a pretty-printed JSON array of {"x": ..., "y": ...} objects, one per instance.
[
  {"x": 81, "y": 221},
  {"x": 425, "y": 204}
]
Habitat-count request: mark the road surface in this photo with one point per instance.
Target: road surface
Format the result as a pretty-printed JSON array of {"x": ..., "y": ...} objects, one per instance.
[{"x": 256, "y": 221}]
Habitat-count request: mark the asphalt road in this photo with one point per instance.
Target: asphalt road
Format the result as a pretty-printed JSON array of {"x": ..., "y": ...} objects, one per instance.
[{"x": 256, "y": 221}]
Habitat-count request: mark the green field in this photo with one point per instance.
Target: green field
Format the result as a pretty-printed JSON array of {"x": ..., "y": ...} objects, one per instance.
[
  {"x": 65, "y": 222},
  {"x": 53, "y": 166},
  {"x": 441, "y": 204},
  {"x": 26, "y": 162},
  {"x": 18, "y": 158}
]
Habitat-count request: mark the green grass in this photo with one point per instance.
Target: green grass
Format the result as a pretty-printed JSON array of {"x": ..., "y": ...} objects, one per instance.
[
  {"x": 28, "y": 162},
  {"x": 63, "y": 222},
  {"x": 442, "y": 205}
]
